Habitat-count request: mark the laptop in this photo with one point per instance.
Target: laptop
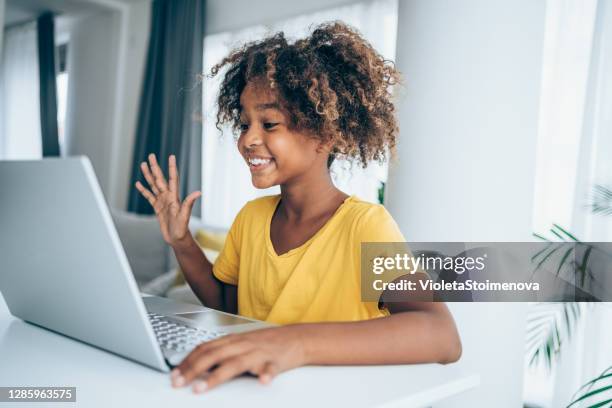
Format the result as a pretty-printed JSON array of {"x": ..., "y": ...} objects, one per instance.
[{"x": 62, "y": 267}]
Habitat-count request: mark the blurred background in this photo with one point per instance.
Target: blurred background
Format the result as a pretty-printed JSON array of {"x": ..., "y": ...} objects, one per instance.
[{"x": 505, "y": 131}]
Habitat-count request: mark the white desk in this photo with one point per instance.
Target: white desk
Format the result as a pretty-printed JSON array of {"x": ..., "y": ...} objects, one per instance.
[{"x": 31, "y": 356}]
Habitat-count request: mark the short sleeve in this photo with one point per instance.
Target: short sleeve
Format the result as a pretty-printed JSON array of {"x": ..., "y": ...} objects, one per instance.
[
  {"x": 377, "y": 225},
  {"x": 227, "y": 263}
]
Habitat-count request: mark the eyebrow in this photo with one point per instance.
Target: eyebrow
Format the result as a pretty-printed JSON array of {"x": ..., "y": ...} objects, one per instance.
[{"x": 264, "y": 106}]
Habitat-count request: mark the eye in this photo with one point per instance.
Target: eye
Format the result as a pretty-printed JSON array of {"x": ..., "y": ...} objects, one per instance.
[
  {"x": 244, "y": 127},
  {"x": 269, "y": 125}
]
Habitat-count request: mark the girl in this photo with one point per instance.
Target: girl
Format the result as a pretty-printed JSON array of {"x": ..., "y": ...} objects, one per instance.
[{"x": 294, "y": 259}]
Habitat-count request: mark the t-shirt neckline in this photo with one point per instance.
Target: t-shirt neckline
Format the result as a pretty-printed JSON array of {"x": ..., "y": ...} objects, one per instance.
[{"x": 306, "y": 244}]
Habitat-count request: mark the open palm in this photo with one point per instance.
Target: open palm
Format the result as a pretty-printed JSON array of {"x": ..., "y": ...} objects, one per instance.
[{"x": 173, "y": 216}]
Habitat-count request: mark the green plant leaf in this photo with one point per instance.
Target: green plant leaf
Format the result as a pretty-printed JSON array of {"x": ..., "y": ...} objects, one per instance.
[
  {"x": 547, "y": 256},
  {"x": 562, "y": 262},
  {"x": 586, "y": 388},
  {"x": 549, "y": 327},
  {"x": 584, "y": 265},
  {"x": 540, "y": 237},
  {"x": 557, "y": 234},
  {"x": 601, "y": 404},
  {"x": 573, "y": 238},
  {"x": 533, "y": 258},
  {"x": 589, "y": 384},
  {"x": 590, "y": 394},
  {"x": 601, "y": 202},
  {"x": 568, "y": 321}
]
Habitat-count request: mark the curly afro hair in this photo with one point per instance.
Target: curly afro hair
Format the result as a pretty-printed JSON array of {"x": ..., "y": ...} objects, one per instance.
[{"x": 333, "y": 84}]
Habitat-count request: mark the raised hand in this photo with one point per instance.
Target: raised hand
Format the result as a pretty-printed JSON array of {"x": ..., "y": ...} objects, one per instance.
[{"x": 173, "y": 216}]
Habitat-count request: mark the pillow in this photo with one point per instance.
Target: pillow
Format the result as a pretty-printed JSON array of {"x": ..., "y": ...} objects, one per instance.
[
  {"x": 211, "y": 244},
  {"x": 143, "y": 244},
  {"x": 210, "y": 240}
]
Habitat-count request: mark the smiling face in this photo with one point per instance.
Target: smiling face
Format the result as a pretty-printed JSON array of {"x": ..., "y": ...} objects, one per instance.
[{"x": 275, "y": 153}]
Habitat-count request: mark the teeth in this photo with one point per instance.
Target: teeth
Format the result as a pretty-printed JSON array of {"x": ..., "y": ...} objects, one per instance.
[{"x": 257, "y": 161}]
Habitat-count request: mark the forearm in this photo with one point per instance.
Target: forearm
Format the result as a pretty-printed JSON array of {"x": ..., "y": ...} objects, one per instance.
[
  {"x": 198, "y": 273},
  {"x": 403, "y": 338}
]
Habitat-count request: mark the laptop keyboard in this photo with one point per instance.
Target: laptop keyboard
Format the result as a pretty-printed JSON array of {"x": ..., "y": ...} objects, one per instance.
[{"x": 179, "y": 337}]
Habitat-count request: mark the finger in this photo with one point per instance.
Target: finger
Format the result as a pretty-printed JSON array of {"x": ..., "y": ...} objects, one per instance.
[
  {"x": 195, "y": 353},
  {"x": 173, "y": 175},
  {"x": 202, "y": 359},
  {"x": 158, "y": 175},
  {"x": 268, "y": 373},
  {"x": 206, "y": 361},
  {"x": 144, "y": 167},
  {"x": 197, "y": 368},
  {"x": 257, "y": 369},
  {"x": 146, "y": 193},
  {"x": 228, "y": 369},
  {"x": 187, "y": 205}
]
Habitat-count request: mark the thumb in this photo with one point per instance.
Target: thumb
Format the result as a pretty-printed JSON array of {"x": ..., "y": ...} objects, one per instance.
[
  {"x": 268, "y": 372},
  {"x": 190, "y": 200}
]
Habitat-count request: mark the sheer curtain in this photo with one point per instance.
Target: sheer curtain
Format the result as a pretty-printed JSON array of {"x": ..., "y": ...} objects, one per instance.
[
  {"x": 20, "y": 133},
  {"x": 595, "y": 160},
  {"x": 226, "y": 179},
  {"x": 589, "y": 353},
  {"x": 566, "y": 62},
  {"x": 574, "y": 143},
  {"x": 574, "y": 154}
]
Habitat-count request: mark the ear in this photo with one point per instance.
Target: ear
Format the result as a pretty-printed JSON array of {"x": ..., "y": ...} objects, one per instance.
[{"x": 325, "y": 147}]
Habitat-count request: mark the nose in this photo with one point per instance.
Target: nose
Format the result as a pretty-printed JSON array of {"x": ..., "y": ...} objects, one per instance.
[{"x": 250, "y": 138}]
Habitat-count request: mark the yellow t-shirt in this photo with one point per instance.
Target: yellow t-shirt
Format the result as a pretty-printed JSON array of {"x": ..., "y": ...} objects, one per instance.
[{"x": 318, "y": 281}]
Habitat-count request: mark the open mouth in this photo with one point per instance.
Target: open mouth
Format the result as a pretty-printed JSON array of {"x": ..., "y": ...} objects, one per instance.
[{"x": 259, "y": 163}]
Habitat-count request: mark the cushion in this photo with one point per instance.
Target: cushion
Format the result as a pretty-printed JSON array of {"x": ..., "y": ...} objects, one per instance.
[
  {"x": 210, "y": 239},
  {"x": 143, "y": 243},
  {"x": 211, "y": 243}
]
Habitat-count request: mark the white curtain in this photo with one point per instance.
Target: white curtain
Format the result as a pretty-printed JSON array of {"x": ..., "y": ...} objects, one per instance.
[
  {"x": 566, "y": 62},
  {"x": 590, "y": 352},
  {"x": 20, "y": 134},
  {"x": 574, "y": 153},
  {"x": 225, "y": 178},
  {"x": 575, "y": 131},
  {"x": 595, "y": 160}
]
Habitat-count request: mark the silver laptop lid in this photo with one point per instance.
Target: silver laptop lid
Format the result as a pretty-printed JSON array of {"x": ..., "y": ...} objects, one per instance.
[{"x": 62, "y": 264}]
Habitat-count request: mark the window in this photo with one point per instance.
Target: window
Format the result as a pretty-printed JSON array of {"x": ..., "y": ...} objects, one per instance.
[
  {"x": 566, "y": 66},
  {"x": 573, "y": 155},
  {"x": 20, "y": 134},
  {"x": 225, "y": 178}
]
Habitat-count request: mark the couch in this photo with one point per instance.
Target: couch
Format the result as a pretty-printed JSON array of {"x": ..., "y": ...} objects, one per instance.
[{"x": 152, "y": 260}]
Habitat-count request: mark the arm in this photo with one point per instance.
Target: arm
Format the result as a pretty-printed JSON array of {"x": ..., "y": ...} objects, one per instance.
[
  {"x": 416, "y": 332},
  {"x": 197, "y": 270},
  {"x": 198, "y": 273},
  {"x": 420, "y": 332},
  {"x": 173, "y": 217}
]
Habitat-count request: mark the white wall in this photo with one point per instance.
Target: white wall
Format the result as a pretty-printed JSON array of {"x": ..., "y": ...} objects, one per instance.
[
  {"x": 493, "y": 340},
  {"x": 466, "y": 157},
  {"x": 137, "y": 25},
  {"x": 468, "y": 119},
  {"x": 227, "y": 15},
  {"x": 91, "y": 96},
  {"x": 106, "y": 60}
]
